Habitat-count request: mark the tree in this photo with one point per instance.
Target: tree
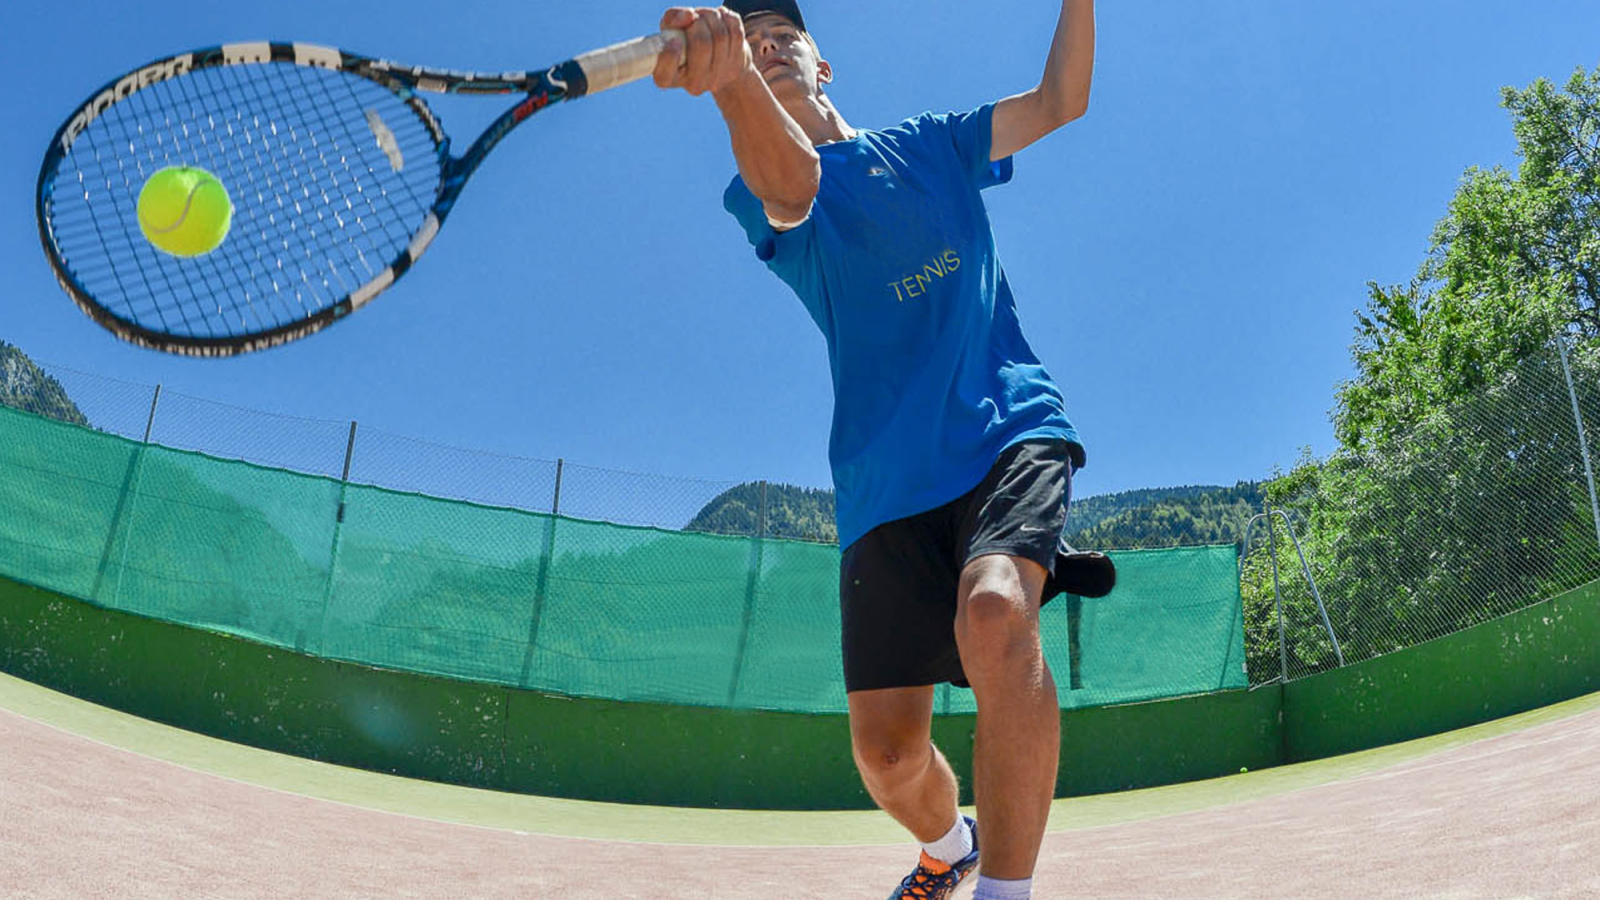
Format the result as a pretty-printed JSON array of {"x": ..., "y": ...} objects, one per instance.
[
  {"x": 1457, "y": 492},
  {"x": 1515, "y": 260}
]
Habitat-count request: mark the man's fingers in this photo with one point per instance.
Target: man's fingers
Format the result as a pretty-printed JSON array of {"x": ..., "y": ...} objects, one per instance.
[
  {"x": 697, "y": 62},
  {"x": 677, "y": 17},
  {"x": 668, "y": 63},
  {"x": 734, "y": 25},
  {"x": 719, "y": 49},
  {"x": 710, "y": 53}
]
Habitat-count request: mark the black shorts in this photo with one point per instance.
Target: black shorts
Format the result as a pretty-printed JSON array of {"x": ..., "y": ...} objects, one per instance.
[{"x": 898, "y": 583}]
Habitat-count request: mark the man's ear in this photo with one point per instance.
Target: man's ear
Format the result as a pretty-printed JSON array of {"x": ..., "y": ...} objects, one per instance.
[{"x": 824, "y": 72}]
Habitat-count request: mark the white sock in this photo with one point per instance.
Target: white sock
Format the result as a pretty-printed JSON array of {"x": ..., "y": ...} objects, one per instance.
[
  {"x": 995, "y": 889},
  {"x": 954, "y": 846}
]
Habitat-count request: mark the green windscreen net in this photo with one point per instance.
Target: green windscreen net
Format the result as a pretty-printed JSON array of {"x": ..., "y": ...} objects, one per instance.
[{"x": 520, "y": 598}]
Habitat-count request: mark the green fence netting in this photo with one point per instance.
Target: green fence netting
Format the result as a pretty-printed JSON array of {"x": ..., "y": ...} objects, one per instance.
[{"x": 508, "y": 596}]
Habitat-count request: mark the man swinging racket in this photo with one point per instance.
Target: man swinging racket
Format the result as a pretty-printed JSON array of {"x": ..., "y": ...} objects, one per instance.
[{"x": 951, "y": 450}]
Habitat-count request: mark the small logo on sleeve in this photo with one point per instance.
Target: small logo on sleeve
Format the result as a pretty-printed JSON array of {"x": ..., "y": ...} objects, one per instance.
[{"x": 916, "y": 284}]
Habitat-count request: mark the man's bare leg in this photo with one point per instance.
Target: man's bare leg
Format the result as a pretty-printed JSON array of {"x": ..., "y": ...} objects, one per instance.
[
  {"x": 1018, "y": 744},
  {"x": 905, "y": 774}
]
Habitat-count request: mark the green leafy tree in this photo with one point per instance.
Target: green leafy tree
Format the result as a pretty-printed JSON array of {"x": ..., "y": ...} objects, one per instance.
[
  {"x": 1514, "y": 261},
  {"x": 1457, "y": 493}
]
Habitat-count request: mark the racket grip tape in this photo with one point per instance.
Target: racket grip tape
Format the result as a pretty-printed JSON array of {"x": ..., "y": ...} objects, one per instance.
[{"x": 626, "y": 62}]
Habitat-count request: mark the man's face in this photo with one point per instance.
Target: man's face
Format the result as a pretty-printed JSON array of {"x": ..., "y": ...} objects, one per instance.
[{"x": 787, "y": 60}]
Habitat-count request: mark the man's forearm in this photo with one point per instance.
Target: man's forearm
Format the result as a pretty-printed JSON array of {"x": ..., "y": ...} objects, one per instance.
[
  {"x": 775, "y": 157},
  {"x": 1064, "y": 89}
]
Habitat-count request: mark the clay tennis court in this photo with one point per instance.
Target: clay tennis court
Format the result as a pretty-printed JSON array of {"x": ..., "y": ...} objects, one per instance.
[{"x": 95, "y": 803}]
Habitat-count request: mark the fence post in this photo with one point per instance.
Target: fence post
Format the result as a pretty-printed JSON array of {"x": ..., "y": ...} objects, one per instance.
[
  {"x": 543, "y": 579},
  {"x": 1583, "y": 440},
  {"x": 1305, "y": 569},
  {"x": 150, "y": 420},
  {"x": 1074, "y": 641},
  {"x": 333, "y": 551},
  {"x": 135, "y": 466},
  {"x": 1277, "y": 596},
  {"x": 752, "y": 582}
]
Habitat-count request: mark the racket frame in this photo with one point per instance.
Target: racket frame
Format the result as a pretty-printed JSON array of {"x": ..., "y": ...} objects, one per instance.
[{"x": 580, "y": 76}]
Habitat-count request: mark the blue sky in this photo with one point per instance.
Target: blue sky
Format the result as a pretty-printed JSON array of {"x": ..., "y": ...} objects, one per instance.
[{"x": 1186, "y": 258}]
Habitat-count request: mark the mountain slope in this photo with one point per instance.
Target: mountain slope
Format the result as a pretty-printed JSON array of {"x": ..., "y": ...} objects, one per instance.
[{"x": 24, "y": 386}]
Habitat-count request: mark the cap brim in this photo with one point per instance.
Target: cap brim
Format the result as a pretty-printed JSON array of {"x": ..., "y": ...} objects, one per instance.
[{"x": 785, "y": 8}]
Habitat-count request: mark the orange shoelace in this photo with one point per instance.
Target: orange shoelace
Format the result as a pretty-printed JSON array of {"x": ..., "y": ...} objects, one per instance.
[{"x": 930, "y": 883}]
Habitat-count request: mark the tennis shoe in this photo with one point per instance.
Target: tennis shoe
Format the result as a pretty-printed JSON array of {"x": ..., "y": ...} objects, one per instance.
[{"x": 935, "y": 880}]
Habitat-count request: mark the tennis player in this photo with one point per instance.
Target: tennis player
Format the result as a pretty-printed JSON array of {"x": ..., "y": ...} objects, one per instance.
[{"x": 951, "y": 450}]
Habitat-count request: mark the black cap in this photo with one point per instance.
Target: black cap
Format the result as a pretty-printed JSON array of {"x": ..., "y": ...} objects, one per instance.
[{"x": 787, "y": 8}]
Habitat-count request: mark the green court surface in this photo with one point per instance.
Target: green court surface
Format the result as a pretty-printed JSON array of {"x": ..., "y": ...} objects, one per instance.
[{"x": 603, "y": 821}]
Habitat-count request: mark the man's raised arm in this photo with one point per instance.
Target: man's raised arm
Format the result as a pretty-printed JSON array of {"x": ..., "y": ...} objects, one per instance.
[
  {"x": 1063, "y": 92},
  {"x": 775, "y": 157}
]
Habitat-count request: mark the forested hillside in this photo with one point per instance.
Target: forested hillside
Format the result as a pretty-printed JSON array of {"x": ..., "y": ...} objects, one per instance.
[
  {"x": 1150, "y": 517},
  {"x": 1166, "y": 517},
  {"x": 795, "y": 513},
  {"x": 24, "y": 386}
]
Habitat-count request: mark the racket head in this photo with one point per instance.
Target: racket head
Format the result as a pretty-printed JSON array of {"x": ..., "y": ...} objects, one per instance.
[{"x": 335, "y": 168}]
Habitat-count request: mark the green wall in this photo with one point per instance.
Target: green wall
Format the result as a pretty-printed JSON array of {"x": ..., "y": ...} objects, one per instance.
[
  {"x": 1538, "y": 656},
  {"x": 490, "y": 736}
]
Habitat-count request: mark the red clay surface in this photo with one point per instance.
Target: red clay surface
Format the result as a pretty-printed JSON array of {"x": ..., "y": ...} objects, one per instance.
[{"x": 1514, "y": 816}]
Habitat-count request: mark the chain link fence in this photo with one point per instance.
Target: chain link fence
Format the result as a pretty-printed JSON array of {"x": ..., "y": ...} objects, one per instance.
[
  {"x": 354, "y": 543},
  {"x": 364, "y": 455},
  {"x": 1483, "y": 508}
]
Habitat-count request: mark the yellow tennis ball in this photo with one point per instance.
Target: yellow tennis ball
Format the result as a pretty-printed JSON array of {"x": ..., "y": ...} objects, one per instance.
[{"x": 184, "y": 211}]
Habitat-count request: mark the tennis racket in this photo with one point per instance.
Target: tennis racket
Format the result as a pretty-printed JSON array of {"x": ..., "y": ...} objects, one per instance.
[{"x": 339, "y": 173}]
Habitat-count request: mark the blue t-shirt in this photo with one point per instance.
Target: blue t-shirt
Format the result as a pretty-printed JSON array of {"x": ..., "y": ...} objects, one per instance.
[{"x": 932, "y": 378}]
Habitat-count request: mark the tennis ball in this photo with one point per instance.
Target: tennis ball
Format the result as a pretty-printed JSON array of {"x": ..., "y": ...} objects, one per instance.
[
  {"x": 184, "y": 211},
  {"x": 1243, "y": 769}
]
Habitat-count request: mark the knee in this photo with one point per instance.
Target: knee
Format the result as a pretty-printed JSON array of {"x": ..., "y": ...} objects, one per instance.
[
  {"x": 995, "y": 625},
  {"x": 888, "y": 764}
]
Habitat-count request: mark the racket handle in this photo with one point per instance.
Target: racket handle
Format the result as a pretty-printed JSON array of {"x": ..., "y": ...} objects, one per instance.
[{"x": 626, "y": 62}]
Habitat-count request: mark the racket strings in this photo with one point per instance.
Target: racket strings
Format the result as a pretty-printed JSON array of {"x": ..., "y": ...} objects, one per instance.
[
  {"x": 367, "y": 163},
  {"x": 230, "y": 295},
  {"x": 319, "y": 207},
  {"x": 217, "y": 282},
  {"x": 102, "y": 180},
  {"x": 244, "y": 302},
  {"x": 277, "y": 244}
]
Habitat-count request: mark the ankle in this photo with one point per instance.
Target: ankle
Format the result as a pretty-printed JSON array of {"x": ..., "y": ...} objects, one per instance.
[{"x": 954, "y": 845}]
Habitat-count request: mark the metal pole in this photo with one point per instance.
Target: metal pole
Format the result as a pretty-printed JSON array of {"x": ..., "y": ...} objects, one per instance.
[
  {"x": 555, "y": 505},
  {"x": 333, "y": 552},
  {"x": 129, "y": 478},
  {"x": 1277, "y": 597},
  {"x": 541, "y": 582},
  {"x": 1312, "y": 583},
  {"x": 344, "y": 478},
  {"x": 1244, "y": 553},
  {"x": 752, "y": 582},
  {"x": 1583, "y": 441},
  {"x": 150, "y": 422}
]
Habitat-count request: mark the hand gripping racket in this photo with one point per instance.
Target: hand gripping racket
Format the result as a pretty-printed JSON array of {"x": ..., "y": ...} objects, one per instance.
[{"x": 340, "y": 177}]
